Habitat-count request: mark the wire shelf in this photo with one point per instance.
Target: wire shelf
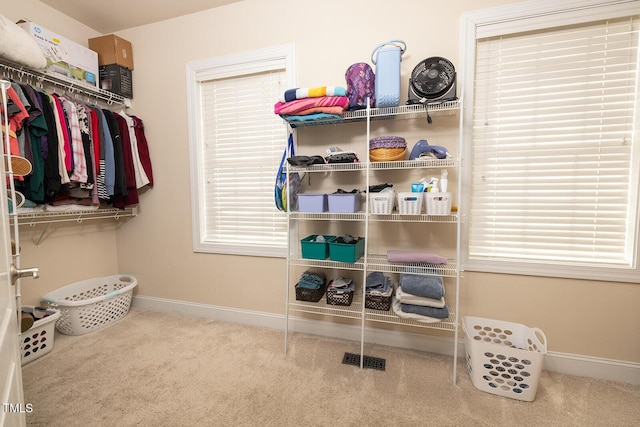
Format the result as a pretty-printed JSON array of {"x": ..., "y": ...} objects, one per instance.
[
  {"x": 46, "y": 217},
  {"x": 354, "y": 311},
  {"x": 403, "y": 111},
  {"x": 360, "y": 216},
  {"x": 423, "y": 163},
  {"x": 377, "y": 262},
  {"x": 39, "y": 79}
]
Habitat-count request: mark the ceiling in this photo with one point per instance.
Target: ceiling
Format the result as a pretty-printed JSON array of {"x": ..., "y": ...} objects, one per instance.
[{"x": 115, "y": 15}]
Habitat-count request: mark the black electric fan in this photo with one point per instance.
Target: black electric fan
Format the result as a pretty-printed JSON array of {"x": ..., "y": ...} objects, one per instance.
[{"x": 432, "y": 80}]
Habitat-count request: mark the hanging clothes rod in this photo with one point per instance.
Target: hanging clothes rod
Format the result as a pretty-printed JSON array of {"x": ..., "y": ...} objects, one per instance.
[{"x": 39, "y": 79}]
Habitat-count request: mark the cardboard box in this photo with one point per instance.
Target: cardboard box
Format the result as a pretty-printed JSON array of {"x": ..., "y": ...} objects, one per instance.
[
  {"x": 117, "y": 79},
  {"x": 112, "y": 50},
  {"x": 65, "y": 58}
]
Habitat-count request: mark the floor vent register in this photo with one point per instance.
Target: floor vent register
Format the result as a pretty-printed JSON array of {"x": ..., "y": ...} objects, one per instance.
[{"x": 369, "y": 362}]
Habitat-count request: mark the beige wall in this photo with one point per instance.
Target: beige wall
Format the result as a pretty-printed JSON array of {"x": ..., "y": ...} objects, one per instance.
[{"x": 589, "y": 318}]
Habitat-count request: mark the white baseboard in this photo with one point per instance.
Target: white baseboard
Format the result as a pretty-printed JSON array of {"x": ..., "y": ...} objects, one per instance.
[{"x": 572, "y": 364}]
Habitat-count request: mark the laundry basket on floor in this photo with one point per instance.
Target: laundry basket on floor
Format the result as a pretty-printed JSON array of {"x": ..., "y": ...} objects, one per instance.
[
  {"x": 38, "y": 340},
  {"x": 92, "y": 304},
  {"x": 504, "y": 358}
]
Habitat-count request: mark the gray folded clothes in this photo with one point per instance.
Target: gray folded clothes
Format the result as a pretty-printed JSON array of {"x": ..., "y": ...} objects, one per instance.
[
  {"x": 407, "y": 298},
  {"x": 340, "y": 288},
  {"x": 375, "y": 279},
  {"x": 311, "y": 280},
  {"x": 341, "y": 282},
  {"x": 422, "y": 286},
  {"x": 386, "y": 292},
  {"x": 412, "y": 316},
  {"x": 438, "y": 313},
  {"x": 378, "y": 284}
]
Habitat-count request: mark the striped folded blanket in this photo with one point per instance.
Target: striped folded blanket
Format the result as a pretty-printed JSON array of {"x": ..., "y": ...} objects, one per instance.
[
  {"x": 313, "y": 92},
  {"x": 300, "y": 105}
]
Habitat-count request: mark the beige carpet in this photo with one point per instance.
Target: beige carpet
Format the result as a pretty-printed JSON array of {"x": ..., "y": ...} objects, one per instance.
[{"x": 158, "y": 369}]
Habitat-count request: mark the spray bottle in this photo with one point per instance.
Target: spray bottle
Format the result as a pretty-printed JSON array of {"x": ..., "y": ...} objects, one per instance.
[{"x": 443, "y": 181}]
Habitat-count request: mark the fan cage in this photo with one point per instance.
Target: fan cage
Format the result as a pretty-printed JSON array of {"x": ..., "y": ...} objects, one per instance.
[{"x": 437, "y": 85}]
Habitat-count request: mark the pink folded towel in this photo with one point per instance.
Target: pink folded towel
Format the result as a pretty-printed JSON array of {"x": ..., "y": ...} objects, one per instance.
[
  {"x": 293, "y": 107},
  {"x": 410, "y": 256}
]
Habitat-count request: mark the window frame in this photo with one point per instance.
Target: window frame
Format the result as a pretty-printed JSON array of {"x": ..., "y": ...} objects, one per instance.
[
  {"x": 220, "y": 67},
  {"x": 517, "y": 18}
]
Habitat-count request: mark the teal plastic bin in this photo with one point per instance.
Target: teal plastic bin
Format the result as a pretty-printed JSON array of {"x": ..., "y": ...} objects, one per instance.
[
  {"x": 346, "y": 252},
  {"x": 316, "y": 250}
]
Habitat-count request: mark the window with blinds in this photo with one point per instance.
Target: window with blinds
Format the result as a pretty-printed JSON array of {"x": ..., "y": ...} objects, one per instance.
[
  {"x": 554, "y": 151},
  {"x": 237, "y": 144}
]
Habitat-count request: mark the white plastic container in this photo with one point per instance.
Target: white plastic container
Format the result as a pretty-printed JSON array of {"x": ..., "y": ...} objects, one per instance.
[
  {"x": 504, "y": 358},
  {"x": 92, "y": 304},
  {"x": 437, "y": 203},
  {"x": 38, "y": 340},
  {"x": 410, "y": 203},
  {"x": 382, "y": 203}
]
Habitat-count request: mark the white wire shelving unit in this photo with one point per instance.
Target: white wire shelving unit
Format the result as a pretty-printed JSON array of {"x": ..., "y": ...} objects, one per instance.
[{"x": 370, "y": 261}]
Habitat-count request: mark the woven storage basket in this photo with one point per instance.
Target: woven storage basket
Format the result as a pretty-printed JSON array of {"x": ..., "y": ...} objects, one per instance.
[
  {"x": 378, "y": 302},
  {"x": 339, "y": 297},
  {"x": 410, "y": 203},
  {"x": 311, "y": 295},
  {"x": 382, "y": 203},
  {"x": 92, "y": 304},
  {"x": 504, "y": 358},
  {"x": 38, "y": 340},
  {"x": 387, "y": 154}
]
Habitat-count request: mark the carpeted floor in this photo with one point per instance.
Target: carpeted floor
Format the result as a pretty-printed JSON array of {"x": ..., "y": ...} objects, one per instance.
[{"x": 159, "y": 369}]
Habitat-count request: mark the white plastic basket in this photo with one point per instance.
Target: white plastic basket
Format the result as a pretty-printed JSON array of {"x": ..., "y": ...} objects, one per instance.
[
  {"x": 504, "y": 358},
  {"x": 382, "y": 203},
  {"x": 438, "y": 203},
  {"x": 38, "y": 340},
  {"x": 410, "y": 203},
  {"x": 91, "y": 304}
]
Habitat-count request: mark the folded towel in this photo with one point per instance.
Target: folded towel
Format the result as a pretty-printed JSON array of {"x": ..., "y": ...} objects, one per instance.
[
  {"x": 351, "y": 287},
  {"x": 310, "y": 117},
  {"x": 411, "y": 316},
  {"x": 374, "y": 279},
  {"x": 406, "y": 298},
  {"x": 437, "y": 313},
  {"x": 311, "y": 280},
  {"x": 409, "y": 256},
  {"x": 327, "y": 110},
  {"x": 293, "y": 107},
  {"x": 378, "y": 284},
  {"x": 313, "y": 92},
  {"x": 341, "y": 282},
  {"x": 422, "y": 286}
]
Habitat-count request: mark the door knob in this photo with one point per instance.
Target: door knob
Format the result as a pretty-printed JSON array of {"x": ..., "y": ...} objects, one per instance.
[{"x": 23, "y": 272}]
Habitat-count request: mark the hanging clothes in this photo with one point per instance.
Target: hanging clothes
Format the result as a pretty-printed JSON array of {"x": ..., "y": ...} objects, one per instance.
[
  {"x": 131, "y": 196},
  {"x": 143, "y": 148},
  {"x": 80, "y": 153},
  {"x": 16, "y": 113}
]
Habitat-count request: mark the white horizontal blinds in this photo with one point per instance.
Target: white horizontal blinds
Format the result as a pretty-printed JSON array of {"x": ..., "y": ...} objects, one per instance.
[
  {"x": 553, "y": 127},
  {"x": 243, "y": 145}
]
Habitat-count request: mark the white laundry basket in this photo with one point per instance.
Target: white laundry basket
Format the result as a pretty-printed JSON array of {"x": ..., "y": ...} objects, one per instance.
[
  {"x": 38, "y": 340},
  {"x": 504, "y": 358},
  {"x": 92, "y": 304}
]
